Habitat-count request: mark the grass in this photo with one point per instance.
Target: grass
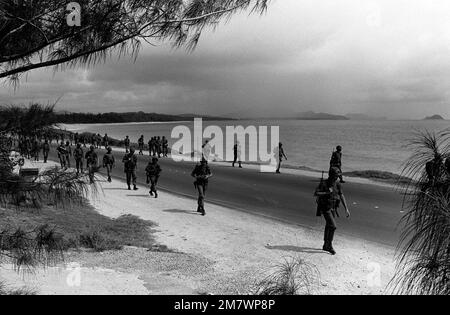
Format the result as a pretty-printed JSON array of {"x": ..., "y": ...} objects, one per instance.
[
  {"x": 293, "y": 276},
  {"x": 4, "y": 290},
  {"x": 81, "y": 226}
]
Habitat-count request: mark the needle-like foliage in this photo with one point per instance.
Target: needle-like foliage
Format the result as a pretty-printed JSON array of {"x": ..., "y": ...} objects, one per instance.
[
  {"x": 51, "y": 186},
  {"x": 35, "y": 34},
  {"x": 293, "y": 276},
  {"x": 424, "y": 261}
]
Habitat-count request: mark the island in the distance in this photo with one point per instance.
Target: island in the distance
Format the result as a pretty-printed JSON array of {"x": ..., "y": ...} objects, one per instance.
[
  {"x": 435, "y": 117},
  {"x": 320, "y": 116}
]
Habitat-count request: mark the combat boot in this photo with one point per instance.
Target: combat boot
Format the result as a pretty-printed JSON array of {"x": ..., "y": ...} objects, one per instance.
[{"x": 329, "y": 236}]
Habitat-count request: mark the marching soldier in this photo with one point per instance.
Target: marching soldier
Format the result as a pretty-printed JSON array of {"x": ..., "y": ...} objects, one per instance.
[
  {"x": 68, "y": 153},
  {"x": 237, "y": 154},
  {"x": 127, "y": 143},
  {"x": 165, "y": 145},
  {"x": 36, "y": 149},
  {"x": 46, "y": 150},
  {"x": 152, "y": 145},
  {"x": 62, "y": 154},
  {"x": 153, "y": 171},
  {"x": 202, "y": 174},
  {"x": 141, "y": 145},
  {"x": 336, "y": 161},
  {"x": 130, "y": 165},
  {"x": 106, "y": 141},
  {"x": 91, "y": 163},
  {"x": 329, "y": 196},
  {"x": 78, "y": 154},
  {"x": 280, "y": 155},
  {"x": 109, "y": 163},
  {"x": 158, "y": 145}
]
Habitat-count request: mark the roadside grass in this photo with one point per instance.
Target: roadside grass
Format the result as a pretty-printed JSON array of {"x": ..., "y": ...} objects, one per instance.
[
  {"x": 4, "y": 290},
  {"x": 80, "y": 226},
  {"x": 293, "y": 276}
]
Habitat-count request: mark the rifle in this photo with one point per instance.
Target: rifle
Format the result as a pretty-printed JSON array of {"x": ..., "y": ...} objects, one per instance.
[{"x": 320, "y": 191}]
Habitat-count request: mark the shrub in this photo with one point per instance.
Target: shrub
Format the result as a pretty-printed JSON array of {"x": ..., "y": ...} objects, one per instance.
[{"x": 293, "y": 276}]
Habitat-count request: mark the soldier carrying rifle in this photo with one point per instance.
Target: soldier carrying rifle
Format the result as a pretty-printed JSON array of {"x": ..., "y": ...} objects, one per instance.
[{"x": 329, "y": 195}]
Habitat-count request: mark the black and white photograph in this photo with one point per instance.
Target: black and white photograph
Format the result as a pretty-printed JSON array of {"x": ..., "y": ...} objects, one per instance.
[{"x": 224, "y": 155}]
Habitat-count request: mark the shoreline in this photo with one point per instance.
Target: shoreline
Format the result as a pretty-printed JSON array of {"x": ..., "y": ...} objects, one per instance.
[
  {"x": 297, "y": 171},
  {"x": 375, "y": 175}
]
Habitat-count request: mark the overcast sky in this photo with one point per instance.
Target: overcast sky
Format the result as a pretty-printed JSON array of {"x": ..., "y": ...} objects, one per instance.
[{"x": 388, "y": 58}]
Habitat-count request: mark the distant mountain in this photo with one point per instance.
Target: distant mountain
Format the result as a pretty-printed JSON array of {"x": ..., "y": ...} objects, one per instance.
[
  {"x": 320, "y": 116},
  {"x": 434, "y": 117},
  {"x": 363, "y": 117}
]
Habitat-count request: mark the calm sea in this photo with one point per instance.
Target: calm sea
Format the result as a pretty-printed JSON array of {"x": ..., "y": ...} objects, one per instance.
[{"x": 368, "y": 145}]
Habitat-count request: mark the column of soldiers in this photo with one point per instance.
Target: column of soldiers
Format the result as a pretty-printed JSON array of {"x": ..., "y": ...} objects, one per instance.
[
  {"x": 88, "y": 161},
  {"x": 158, "y": 147}
]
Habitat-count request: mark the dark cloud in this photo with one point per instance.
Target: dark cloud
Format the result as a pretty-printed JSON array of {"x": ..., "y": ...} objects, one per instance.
[{"x": 377, "y": 57}]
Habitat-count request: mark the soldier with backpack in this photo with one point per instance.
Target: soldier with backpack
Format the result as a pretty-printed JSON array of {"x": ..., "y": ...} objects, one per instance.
[
  {"x": 68, "y": 153},
  {"x": 165, "y": 147},
  {"x": 106, "y": 141},
  {"x": 108, "y": 163},
  {"x": 336, "y": 161},
  {"x": 329, "y": 196},
  {"x": 46, "y": 150},
  {"x": 78, "y": 155},
  {"x": 92, "y": 163},
  {"x": 130, "y": 165},
  {"x": 202, "y": 174},
  {"x": 141, "y": 145},
  {"x": 127, "y": 143},
  {"x": 62, "y": 152},
  {"x": 153, "y": 171},
  {"x": 36, "y": 149}
]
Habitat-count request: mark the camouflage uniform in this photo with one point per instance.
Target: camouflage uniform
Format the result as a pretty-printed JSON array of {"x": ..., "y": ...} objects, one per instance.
[
  {"x": 130, "y": 165},
  {"x": 201, "y": 173},
  {"x": 153, "y": 171},
  {"x": 78, "y": 154},
  {"x": 108, "y": 163},
  {"x": 91, "y": 163}
]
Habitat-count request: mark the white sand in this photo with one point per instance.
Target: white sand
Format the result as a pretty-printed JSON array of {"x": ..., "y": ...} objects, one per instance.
[{"x": 230, "y": 249}]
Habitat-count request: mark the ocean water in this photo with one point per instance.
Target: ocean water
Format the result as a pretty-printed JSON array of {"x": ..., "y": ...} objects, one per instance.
[{"x": 368, "y": 145}]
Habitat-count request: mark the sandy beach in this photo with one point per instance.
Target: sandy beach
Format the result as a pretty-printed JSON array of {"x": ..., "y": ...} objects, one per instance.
[{"x": 225, "y": 252}]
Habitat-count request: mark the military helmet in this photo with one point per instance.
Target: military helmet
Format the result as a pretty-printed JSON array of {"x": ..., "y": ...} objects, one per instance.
[{"x": 334, "y": 172}]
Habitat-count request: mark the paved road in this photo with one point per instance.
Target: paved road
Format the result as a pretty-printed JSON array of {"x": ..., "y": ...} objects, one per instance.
[{"x": 375, "y": 209}]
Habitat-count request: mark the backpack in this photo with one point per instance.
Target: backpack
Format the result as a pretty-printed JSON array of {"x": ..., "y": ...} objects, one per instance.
[
  {"x": 108, "y": 159},
  {"x": 326, "y": 199}
]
